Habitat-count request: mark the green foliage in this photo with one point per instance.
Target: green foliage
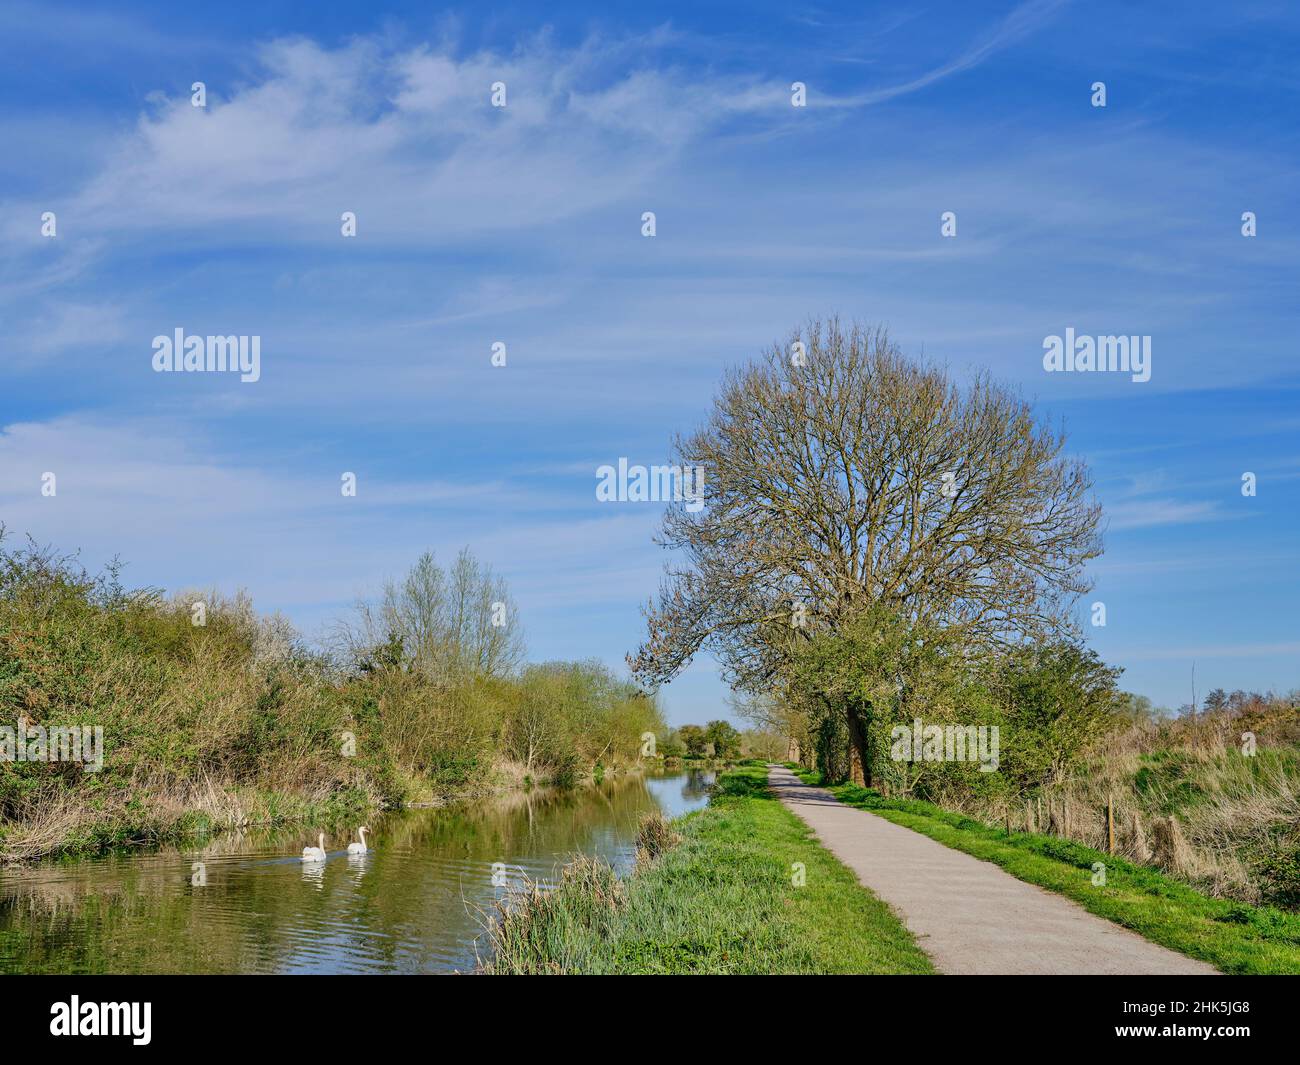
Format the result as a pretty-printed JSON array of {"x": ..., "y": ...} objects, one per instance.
[
  {"x": 203, "y": 720},
  {"x": 1279, "y": 868},
  {"x": 831, "y": 746},
  {"x": 564, "y": 773},
  {"x": 876, "y": 671},
  {"x": 694, "y": 740},
  {"x": 720, "y": 900},
  {"x": 672, "y": 746},
  {"x": 1060, "y": 698},
  {"x": 724, "y": 738},
  {"x": 567, "y": 715},
  {"x": 1167, "y": 779},
  {"x": 1049, "y": 703}
]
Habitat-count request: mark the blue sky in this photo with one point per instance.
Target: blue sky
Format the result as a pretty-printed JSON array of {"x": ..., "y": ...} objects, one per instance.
[{"x": 522, "y": 225}]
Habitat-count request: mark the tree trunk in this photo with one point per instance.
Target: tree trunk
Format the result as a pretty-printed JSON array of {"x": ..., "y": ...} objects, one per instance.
[{"x": 859, "y": 753}]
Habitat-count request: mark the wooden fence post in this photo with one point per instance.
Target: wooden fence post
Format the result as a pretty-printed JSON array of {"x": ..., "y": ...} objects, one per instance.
[{"x": 1110, "y": 823}]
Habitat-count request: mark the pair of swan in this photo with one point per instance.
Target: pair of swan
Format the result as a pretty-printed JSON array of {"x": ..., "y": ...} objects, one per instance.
[{"x": 317, "y": 854}]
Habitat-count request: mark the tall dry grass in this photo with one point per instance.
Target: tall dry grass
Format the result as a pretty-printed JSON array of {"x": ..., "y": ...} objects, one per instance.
[{"x": 1187, "y": 797}]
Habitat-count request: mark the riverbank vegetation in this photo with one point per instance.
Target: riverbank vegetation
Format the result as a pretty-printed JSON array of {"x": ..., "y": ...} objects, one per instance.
[
  {"x": 213, "y": 715},
  {"x": 716, "y": 892},
  {"x": 1210, "y": 797}
]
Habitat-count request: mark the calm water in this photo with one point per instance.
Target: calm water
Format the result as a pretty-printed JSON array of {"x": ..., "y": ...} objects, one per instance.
[{"x": 415, "y": 903}]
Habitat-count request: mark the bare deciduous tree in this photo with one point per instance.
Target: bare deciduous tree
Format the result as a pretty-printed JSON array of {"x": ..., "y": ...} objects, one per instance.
[
  {"x": 452, "y": 623},
  {"x": 852, "y": 477}
]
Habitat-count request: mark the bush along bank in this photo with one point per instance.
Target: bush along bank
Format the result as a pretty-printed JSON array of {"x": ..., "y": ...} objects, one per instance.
[{"x": 198, "y": 713}]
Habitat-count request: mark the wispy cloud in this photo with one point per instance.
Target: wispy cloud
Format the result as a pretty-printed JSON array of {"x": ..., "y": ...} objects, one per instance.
[
  {"x": 62, "y": 325},
  {"x": 1142, "y": 514},
  {"x": 1023, "y": 21},
  {"x": 409, "y": 139}
]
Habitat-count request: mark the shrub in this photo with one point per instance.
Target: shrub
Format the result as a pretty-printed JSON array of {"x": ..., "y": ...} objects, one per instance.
[
  {"x": 1279, "y": 869},
  {"x": 235, "y": 718}
]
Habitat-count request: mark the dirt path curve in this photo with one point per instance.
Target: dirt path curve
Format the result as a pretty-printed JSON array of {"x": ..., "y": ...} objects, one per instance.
[{"x": 969, "y": 915}]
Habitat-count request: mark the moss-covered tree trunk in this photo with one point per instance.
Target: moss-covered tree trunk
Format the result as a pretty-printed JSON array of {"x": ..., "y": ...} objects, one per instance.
[{"x": 859, "y": 747}]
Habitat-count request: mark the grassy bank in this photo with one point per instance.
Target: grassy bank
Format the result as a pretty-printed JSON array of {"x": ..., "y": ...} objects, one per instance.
[
  {"x": 1211, "y": 799},
  {"x": 720, "y": 899},
  {"x": 1234, "y": 936},
  {"x": 1189, "y": 800}
]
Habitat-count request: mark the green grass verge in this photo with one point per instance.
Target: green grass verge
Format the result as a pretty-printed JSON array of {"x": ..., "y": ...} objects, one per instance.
[
  {"x": 720, "y": 901},
  {"x": 1235, "y": 937}
]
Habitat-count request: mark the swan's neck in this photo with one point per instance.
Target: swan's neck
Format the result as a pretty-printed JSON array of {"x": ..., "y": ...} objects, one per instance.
[
  {"x": 362, "y": 833},
  {"x": 322, "y": 841}
]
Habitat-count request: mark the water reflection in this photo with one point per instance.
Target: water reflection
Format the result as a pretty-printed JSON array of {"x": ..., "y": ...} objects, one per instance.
[{"x": 413, "y": 903}]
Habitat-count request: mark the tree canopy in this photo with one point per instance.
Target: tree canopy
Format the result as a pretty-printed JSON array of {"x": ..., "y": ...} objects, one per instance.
[{"x": 845, "y": 481}]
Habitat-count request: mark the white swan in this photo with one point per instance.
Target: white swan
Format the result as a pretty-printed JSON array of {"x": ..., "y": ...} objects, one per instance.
[
  {"x": 359, "y": 848},
  {"x": 315, "y": 854}
]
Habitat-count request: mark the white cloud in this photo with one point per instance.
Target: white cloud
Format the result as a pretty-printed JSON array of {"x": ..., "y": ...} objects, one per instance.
[
  {"x": 1141, "y": 514},
  {"x": 409, "y": 140},
  {"x": 1020, "y": 23},
  {"x": 93, "y": 327}
]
